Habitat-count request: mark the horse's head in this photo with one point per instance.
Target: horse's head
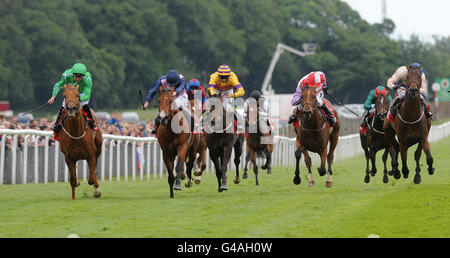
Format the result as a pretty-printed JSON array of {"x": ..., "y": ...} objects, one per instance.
[
  {"x": 413, "y": 80},
  {"x": 382, "y": 105},
  {"x": 165, "y": 104},
  {"x": 72, "y": 99},
  {"x": 308, "y": 101}
]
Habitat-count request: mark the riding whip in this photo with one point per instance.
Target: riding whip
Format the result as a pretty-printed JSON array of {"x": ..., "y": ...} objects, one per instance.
[
  {"x": 36, "y": 109},
  {"x": 142, "y": 102},
  {"x": 340, "y": 103}
]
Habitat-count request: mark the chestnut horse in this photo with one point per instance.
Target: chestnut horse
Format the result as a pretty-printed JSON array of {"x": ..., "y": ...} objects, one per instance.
[
  {"x": 175, "y": 140},
  {"x": 259, "y": 140},
  {"x": 313, "y": 134},
  {"x": 78, "y": 141},
  {"x": 221, "y": 138},
  {"x": 374, "y": 140},
  {"x": 411, "y": 126}
]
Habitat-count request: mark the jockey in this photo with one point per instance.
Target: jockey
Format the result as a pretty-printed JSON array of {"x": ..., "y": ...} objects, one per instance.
[
  {"x": 75, "y": 76},
  {"x": 226, "y": 84},
  {"x": 369, "y": 105},
  {"x": 263, "y": 107},
  {"x": 192, "y": 90},
  {"x": 314, "y": 79},
  {"x": 171, "y": 79},
  {"x": 398, "y": 81}
]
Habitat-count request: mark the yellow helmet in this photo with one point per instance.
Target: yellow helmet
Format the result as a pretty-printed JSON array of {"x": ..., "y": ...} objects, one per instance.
[{"x": 224, "y": 70}]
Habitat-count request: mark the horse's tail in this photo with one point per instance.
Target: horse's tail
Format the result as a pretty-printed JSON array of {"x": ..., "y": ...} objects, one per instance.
[{"x": 260, "y": 153}]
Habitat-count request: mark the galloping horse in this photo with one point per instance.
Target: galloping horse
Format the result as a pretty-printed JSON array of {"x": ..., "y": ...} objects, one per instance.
[
  {"x": 221, "y": 139},
  {"x": 374, "y": 140},
  {"x": 411, "y": 126},
  {"x": 179, "y": 143},
  {"x": 78, "y": 141},
  {"x": 313, "y": 134},
  {"x": 255, "y": 145}
]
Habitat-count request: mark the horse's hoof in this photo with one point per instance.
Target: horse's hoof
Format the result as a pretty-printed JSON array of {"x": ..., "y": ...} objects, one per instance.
[
  {"x": 97, "y": 193},
  {"x": 198, "y": 173},
  {"x": 373, "y": 172},
  {"x": 245, "y": 175},
  {"x": 397, "y": 174},
  {"x": 322, "y": 172},
  {"x": 390, "y": 172},
  {"x": 78, "y": 183},
  {"x": 223, "y": 188},
  {"x": 367, "y": 179},
  {"x": 183, "y": 176},
  {"x": 264, "y": 167},
  {"x": 329, "y": 184},
  {"x": 311, "y": 183},
  {"x": 269, "y": 171},
  {"x": 417, "y": 179},
  {"x": 430, "y": 171},
  {"x": 385, "y": 179},
  {"x": 188, "y": 183},
  {"x": 297, "y": 180},
  {"x": 197, "y": 181},
  {"x": 237, "y": 180},
  {"x": 177, "y": 187}
]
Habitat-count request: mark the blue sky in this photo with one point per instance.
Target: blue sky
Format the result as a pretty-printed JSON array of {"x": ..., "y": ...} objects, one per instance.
[{"x": 421, "y": 17}]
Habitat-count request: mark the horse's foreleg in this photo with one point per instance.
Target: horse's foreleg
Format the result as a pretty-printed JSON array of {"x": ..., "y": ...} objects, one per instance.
[
  {"x": 224, "y": 167},
  {"x": 308, "y": 165},
  {"x": 389, "y": 134},
  {"x": 298, "y": 155},
  {"x": 417, "y": 155},
  {"x": 93, "y": 176},
  {"x": 181, "y": 155},
  {"x": 404, "y": 155},
  {"x": 323, "y": 156},
  {"x": 427, "y": 150},
  {"x": 385, "y": 171},
  {"x": 201, "y": 166},
  {"x": 168, "y": 161},
  {"x": 373, "y": 155},
  {"x": 269, "y": 159},
  {"x": 71, "y": 165}
]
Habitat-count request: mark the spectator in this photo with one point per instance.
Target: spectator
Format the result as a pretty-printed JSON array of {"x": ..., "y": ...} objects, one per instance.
[{"x": 115, "y": 120}]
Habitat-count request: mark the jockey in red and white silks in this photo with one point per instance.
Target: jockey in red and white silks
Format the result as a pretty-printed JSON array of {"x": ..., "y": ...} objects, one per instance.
[{"x": 317, "y": 80}]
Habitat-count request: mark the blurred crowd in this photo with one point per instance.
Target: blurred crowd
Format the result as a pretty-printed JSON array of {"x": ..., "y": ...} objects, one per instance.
[{"x": 114, "y": 126}]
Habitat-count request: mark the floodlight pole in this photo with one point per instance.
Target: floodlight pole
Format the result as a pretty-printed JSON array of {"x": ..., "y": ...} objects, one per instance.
[{"x": 266, "y": 87}]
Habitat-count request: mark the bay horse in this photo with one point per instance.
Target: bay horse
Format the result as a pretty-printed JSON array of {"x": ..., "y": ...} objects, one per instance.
[
  {"x": 313, "y": 134},
  {"x": 411, "y": 127},
  {"x": 259, "y": 140},
  {"x": 175, "y": 140},
  {"x": 221, "y": 139},
  {"x": 374, "y": 140},
  {"x": 78, "y": 141}
]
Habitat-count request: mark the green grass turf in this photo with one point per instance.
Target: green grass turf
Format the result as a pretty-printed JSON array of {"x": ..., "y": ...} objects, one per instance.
[{"x": 276, "y": 208}]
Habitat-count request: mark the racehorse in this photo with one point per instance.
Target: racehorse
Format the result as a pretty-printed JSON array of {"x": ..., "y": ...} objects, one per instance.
[
  {"x": 221, "y": 138},
  {"x": 78, "y": 141},
  {"x": 313, "y": 134},
  {"x": 257, "y": 143},
  {"x": 175, "y": 144},
  {"x": 374, "y": 140},
  {"x": 411, "y": 126}
]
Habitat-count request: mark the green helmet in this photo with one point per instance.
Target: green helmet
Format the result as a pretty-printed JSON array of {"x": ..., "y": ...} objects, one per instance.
[{"x": 79, "y": 68}]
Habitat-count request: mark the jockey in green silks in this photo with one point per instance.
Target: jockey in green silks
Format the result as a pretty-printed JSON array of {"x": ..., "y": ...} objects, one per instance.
[{"x": 77, "y": 76}]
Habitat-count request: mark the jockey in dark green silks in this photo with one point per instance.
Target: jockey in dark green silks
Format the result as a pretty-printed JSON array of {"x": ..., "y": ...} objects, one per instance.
[
  {"x": 77, "y": 76},
  {"x": 369, "y": 105}
]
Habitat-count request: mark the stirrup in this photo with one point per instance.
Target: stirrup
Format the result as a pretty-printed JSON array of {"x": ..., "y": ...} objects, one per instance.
[{"x": 292, "y": 119}]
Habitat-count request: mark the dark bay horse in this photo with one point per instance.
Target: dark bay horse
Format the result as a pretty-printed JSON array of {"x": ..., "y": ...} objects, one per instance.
[
  {"x": 78, "y": 141},
  {"x": 259, "y": 140},
  {"x": 411, "y": 127},
  {"x": 176, "y": 141},
  {"x": 313, "y": 134},
  {"x": 374, "y": 140},
  {"x": 221, "y": 138}
]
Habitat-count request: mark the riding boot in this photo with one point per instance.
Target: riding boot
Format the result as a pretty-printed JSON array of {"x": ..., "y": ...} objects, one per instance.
[
  {"x": 362, "y": 124},
  {"x": 426, "y": 107},
  {"x": 157, "y": 123},
  {"x": 56, "y": 126},
  {"x": 90, "y": 119},
  {"x": 293, "y": 117},
  {"x": 331, "y": 119},
  {"x": 394, "y": 109}
]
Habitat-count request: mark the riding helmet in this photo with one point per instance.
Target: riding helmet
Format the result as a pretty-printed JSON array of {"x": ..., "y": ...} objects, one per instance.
[
  {"x": 173, "y": 78},
  {"x": 79, "y": 68}
]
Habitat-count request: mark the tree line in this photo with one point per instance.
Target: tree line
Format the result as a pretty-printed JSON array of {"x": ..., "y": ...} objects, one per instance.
[{"x": 127, "y": 45}]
